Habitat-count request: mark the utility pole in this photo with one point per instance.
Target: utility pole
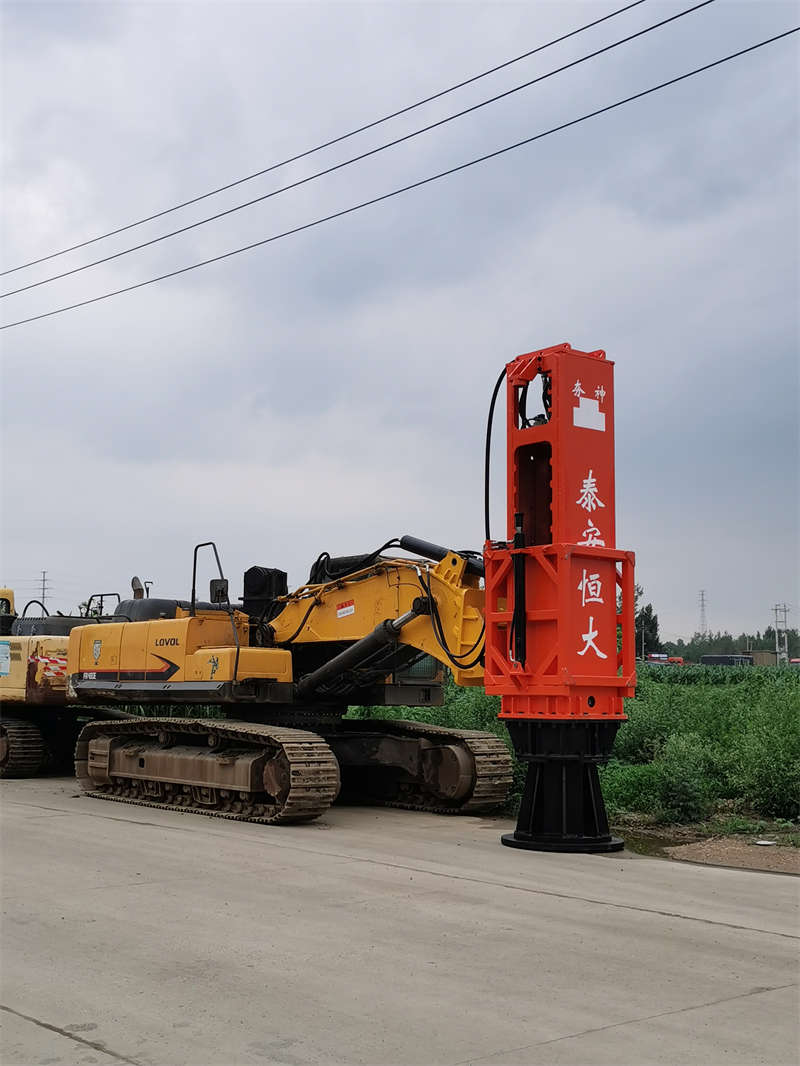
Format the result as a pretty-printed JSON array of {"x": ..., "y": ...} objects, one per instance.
[
  {"x": 703, "y": 619},
  {"x": 781, "y": 612}
]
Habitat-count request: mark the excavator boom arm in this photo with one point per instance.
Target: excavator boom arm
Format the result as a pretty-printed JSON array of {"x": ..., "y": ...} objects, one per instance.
[{"x": 445, "y": 602}]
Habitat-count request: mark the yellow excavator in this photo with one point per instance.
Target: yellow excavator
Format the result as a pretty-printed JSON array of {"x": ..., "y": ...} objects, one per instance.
[
  {"x": 38, "y": 727},
  {"x": 365, "y": 630}
]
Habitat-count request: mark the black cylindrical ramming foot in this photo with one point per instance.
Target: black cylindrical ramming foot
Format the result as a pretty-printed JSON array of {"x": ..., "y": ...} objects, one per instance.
[{"x": 562, "y": 807}]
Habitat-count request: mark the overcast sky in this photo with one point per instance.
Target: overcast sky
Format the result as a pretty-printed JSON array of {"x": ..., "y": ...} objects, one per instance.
[{"x": 329, "y": 391}]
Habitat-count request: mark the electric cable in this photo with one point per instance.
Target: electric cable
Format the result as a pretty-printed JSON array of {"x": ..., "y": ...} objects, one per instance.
[
  {"x": 327, "y": 144},
  {"x": 321, "y": 563},
  {"x": 326, "y": 556},
  {"x": 489, "y": 421},
  {"x": 438, "y": 631},
  {"x": 405, "y": 188},
  {"x": 357, "y": 158},
  {"x": 288, "y": 640}
]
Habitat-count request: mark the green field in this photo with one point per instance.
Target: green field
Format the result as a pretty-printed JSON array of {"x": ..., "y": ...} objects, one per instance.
[{"x": 698, "y": 741}]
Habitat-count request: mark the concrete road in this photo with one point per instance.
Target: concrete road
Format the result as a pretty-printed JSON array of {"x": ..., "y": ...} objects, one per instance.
[{"x": 139, "y": 936}]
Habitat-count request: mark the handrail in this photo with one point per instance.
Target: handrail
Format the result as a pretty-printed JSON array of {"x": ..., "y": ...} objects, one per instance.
[{"x": 193, "y": 608}]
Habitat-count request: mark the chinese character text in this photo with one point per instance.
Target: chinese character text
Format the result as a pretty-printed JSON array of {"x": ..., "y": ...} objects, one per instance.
[
  {"x": 590, "y": 588},
  {"x": 589, "y": 637},
  {"x": 593, "y": 537},
  {"x": 588, "y": 499}
]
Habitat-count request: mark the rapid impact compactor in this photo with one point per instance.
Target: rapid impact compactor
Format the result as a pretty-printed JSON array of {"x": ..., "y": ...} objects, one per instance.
[{"x": 240, "y": 712}]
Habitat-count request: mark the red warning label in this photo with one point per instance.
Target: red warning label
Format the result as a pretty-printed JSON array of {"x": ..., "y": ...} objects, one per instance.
[{"x": 346, "y": 608}]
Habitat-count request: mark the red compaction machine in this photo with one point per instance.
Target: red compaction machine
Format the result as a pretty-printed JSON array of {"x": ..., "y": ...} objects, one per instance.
[{"x": 560, "y": 647}]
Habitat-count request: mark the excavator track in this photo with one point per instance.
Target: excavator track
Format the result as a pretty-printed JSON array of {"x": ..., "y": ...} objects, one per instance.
[
  {"x": 492, "y": 768},
  {"x": 23, "y": 752},
  {"x": 299, "y": 776}
]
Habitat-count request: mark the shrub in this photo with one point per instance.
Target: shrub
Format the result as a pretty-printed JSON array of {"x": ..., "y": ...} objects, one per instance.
[
  {"x": 651, "y": 719},
  {"x": 764, "y": 765},
  {"x": 629, "y": 788},
  {"x": 686, "y": 789},
  {"x": 694, "y": 735},
  {"x": 675, "y": 787}
]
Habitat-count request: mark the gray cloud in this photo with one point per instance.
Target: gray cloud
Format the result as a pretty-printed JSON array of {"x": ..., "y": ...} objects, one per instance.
[{"x": 330, "y": 390}]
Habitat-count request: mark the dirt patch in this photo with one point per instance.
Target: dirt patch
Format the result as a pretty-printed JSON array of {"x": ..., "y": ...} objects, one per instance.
[{"x": 733, "y": 851}]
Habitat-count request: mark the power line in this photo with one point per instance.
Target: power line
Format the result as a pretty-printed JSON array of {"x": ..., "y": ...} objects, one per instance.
[
  {"x": 36, "y": 583},
  {"x": 358, "y": 158},
  {"x": 327, "y": 144},
  {"x": 405, "y": 188}
]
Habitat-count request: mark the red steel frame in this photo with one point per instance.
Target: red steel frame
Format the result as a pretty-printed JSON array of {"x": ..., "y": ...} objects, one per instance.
[{"x": 561, "y": 483}]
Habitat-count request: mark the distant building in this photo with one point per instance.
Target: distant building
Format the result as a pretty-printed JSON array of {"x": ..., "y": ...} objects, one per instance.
[
  {"x": 726, "y": 660},
  {"x": 763, "y": 658}
]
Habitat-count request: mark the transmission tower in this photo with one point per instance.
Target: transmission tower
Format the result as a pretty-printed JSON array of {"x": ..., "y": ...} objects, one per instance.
[
  {"x": 703, "y": 619},
  {"x": 781, "y": 612},
  {"x": 45, "y": 587}
]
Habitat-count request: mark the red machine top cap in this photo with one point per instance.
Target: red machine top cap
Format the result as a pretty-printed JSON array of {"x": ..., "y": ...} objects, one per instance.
[{"x": 561, "y": 455}]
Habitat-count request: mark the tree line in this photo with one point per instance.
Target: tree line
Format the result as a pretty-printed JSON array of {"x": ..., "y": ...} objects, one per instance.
[{"x": 648, "y": 640}]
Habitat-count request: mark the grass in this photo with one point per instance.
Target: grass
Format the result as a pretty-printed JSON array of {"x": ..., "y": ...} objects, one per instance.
[
  {"x": 648, "y": 837},
  {"x": 698, "y": 741},
  {"x": 730, "y": 737},
  {"x": 783, "y": 830}
]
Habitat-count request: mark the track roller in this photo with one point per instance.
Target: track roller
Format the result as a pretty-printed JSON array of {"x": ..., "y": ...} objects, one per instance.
[
  {"x": 422, "y": 767},
  {"x": 23, "y": 752},
  {"x": 239, "y": 770}
]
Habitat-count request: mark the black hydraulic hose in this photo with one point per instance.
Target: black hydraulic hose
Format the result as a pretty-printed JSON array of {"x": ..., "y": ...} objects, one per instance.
[
  {"x": 488, "y": 449},
  {"x": 519, "y": 623},
  {"x": 366, "y": 561},
  {"x": 297, "y": 631},
  {"x": 371, "y": 558},
  {"x": 27, "y": 605},
  {"x": 441, "y": 640}
]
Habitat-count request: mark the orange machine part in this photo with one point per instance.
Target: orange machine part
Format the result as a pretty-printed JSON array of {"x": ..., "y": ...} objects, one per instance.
[{"x": 559, "y": 573}]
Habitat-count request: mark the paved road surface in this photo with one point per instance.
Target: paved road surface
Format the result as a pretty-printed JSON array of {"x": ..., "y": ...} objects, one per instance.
[{"x": 135, "y": 936}]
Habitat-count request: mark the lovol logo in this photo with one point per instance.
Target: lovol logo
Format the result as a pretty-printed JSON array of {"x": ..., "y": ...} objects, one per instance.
[{"x": 165, "y": 642}]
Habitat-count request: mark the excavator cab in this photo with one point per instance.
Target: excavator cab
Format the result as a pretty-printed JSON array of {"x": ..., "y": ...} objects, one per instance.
[{"x": 7, "y": 612}]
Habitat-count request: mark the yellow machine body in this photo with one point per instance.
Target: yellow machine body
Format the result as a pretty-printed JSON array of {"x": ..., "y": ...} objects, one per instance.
[
  {"x": 196, "y": 653},
  {"x": 298, "y": 660},
  {"x": 212, "y": 655},
  {"x": 33, "y": 667},
  {"x": 33, "y": 670}
]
